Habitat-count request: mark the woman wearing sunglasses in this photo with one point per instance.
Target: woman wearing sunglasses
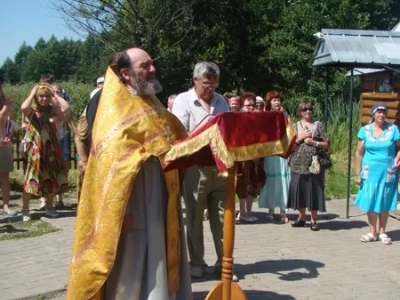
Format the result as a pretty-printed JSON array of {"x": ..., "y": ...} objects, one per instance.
[
  {"x": 306, "y": 189},
  {"x": 250, "y": 173}
]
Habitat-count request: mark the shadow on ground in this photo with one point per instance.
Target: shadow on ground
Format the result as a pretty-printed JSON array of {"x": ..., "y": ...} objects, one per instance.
[
  {"x": 37, "y": 215},
  {"x": 61, "y": 214},
  {"x": 336, "y": 225},
  {"x": 10, "y": 219},
  {"x": 285, "y": 269},
  {"x": 262, "y": 218},
  {"x": 251, "y": 294},
  {"x": 10, "y": 229},
  {"x": 394, "y": 235}
]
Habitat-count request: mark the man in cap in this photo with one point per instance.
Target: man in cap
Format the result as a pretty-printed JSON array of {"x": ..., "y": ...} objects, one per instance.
[
  {"x": 99, "y": 85},
  {"x": 260, "y": 104},
  {"x": 170, "y": 103}
]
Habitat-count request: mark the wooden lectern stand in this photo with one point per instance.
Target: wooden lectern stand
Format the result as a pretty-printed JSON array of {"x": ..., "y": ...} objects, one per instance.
[
  {"x": 221, "y": 141},
  {"x": 226, "y": 289}
]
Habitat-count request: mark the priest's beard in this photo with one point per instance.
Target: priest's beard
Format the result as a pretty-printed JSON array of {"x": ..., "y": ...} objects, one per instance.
[{"x": 145, "y": 88}]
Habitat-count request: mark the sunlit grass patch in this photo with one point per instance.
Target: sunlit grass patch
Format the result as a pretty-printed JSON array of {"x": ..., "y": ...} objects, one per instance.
[{"x": 21, "y": 230}]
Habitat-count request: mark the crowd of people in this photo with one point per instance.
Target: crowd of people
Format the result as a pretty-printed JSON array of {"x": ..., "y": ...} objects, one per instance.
[
  {"x": 129, "y": 221},
  {"x": 276, "y": 182}
]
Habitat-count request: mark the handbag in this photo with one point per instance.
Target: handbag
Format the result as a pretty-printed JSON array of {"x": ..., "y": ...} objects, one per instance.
[
  {"x": 23, "y": 147},
  {"x": 315, "y": 166},
  {"x": 324, "y": 159},
  {"x": 323, "y": 156}
]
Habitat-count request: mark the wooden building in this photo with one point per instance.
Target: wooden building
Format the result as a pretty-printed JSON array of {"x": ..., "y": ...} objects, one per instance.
[
  {"x": 380, "y": 86},
  {"x": 352, "y": 49}
]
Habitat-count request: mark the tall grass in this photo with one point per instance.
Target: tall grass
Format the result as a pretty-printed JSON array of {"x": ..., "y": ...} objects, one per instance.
[
  {"x": 338, "y": 125},
  {"x": 338, "y": 130}
]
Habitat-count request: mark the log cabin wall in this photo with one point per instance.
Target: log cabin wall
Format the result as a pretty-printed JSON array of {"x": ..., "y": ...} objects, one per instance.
[{"x": 375, "y": 89}]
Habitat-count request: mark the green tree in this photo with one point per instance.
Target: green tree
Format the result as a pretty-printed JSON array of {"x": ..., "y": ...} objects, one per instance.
[
  {"x": 22, "y": 53},
  {"x": 160, "y": 26},
  {"x": 92, "y": 59},
  {"x": 36, "y": 62},
  {"x": 259, "y": 44},
  {"x": 10, "y": 71}
]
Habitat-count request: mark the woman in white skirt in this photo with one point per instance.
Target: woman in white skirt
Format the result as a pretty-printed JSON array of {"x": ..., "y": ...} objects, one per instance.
[{"x": 274, "y": 194}]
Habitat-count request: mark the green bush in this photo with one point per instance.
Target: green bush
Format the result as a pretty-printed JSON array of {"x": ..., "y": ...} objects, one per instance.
[{"x": 337, "y": 125}]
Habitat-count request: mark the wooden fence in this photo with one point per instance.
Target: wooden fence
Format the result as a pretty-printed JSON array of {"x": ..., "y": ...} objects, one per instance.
[{"x": 18, "y": 159}]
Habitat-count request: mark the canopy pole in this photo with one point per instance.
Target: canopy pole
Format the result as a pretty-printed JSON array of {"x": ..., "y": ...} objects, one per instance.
[
  {"x": 350, "y": 142},
  {"x": 326, "y": 98}
]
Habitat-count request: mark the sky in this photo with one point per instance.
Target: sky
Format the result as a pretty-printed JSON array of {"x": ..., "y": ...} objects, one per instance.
[{"x": 28, "y": 20}]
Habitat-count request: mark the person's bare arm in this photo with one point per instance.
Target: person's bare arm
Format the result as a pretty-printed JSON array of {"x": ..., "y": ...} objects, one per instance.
[
  {"x": 5, "y": 105},
  {"x": 26, "y": 106},
  {"x": 324, "y": 145},
  {"x": 357, "y": 160},
  {"x": 61, "y": 108},
  {"x": 397, "y": 158},
  {"x": 5, "y": 110},
  {"x": 5, "y": 113}
]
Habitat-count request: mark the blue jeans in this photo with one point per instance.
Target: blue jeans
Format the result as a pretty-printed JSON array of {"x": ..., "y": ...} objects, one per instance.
[{"x": 65, "y": 142}]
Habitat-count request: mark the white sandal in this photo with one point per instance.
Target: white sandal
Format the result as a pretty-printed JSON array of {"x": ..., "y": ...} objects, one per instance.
[
  {"x": 26, "y": 216},
  {"x": 383, "y": 237},
  {"x": 369, "y": 237}
]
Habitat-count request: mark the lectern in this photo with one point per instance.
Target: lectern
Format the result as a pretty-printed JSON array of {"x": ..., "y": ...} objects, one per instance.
[{"x": 220, "y": 141}]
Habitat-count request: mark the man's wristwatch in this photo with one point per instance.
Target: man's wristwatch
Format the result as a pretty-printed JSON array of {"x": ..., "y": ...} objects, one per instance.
[{"x": 316, "y": 144}]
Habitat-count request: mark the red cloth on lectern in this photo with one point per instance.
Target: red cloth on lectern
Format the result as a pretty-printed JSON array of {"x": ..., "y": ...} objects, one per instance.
[{"x": 230, "y": 137}]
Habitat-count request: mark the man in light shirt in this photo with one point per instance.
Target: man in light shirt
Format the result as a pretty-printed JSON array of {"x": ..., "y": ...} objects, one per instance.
[
  {"x": 99, "y": 86},
  {"x": 204, "y": 187},
  {"x": 170, "y": 103}
]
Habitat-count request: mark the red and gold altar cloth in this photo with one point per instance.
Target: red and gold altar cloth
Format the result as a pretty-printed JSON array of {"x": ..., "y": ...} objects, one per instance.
[{"x": 230, "y": 137}]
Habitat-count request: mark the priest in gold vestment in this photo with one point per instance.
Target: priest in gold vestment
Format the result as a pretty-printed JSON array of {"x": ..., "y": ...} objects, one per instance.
[{"x": 129, "y": 241}]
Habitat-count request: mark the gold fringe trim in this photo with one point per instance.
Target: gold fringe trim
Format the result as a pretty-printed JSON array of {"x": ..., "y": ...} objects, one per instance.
[
  {"x": 266, "y": 149},
  {"x": 81, "y": 128},
  {"x": 212, "y": 136}
]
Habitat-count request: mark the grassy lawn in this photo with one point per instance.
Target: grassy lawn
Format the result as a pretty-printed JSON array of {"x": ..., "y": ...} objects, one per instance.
[
  {"x": 13, "y": 228},
  {"x": 21, "y": 230},
  {"x": 336, "y": 178},
  {"x": 335, "y": 188}
]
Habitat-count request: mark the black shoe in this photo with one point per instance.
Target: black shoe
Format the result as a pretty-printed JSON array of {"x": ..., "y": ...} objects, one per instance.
[
  {"x": 299, "y": 223},
  {"x": 314, "y": 226}
]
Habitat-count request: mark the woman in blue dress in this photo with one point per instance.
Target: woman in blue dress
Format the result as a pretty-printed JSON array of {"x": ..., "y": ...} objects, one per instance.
[{"x": 376, "y": 165}]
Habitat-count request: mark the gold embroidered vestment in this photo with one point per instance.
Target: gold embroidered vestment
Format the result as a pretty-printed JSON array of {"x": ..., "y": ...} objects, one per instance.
[{"x": 128, "y": 130}]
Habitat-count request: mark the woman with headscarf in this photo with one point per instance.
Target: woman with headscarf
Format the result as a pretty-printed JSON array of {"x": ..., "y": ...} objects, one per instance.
[
  {"x": 376, "y": 165},
  {"x": 44, "y": 165}
]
